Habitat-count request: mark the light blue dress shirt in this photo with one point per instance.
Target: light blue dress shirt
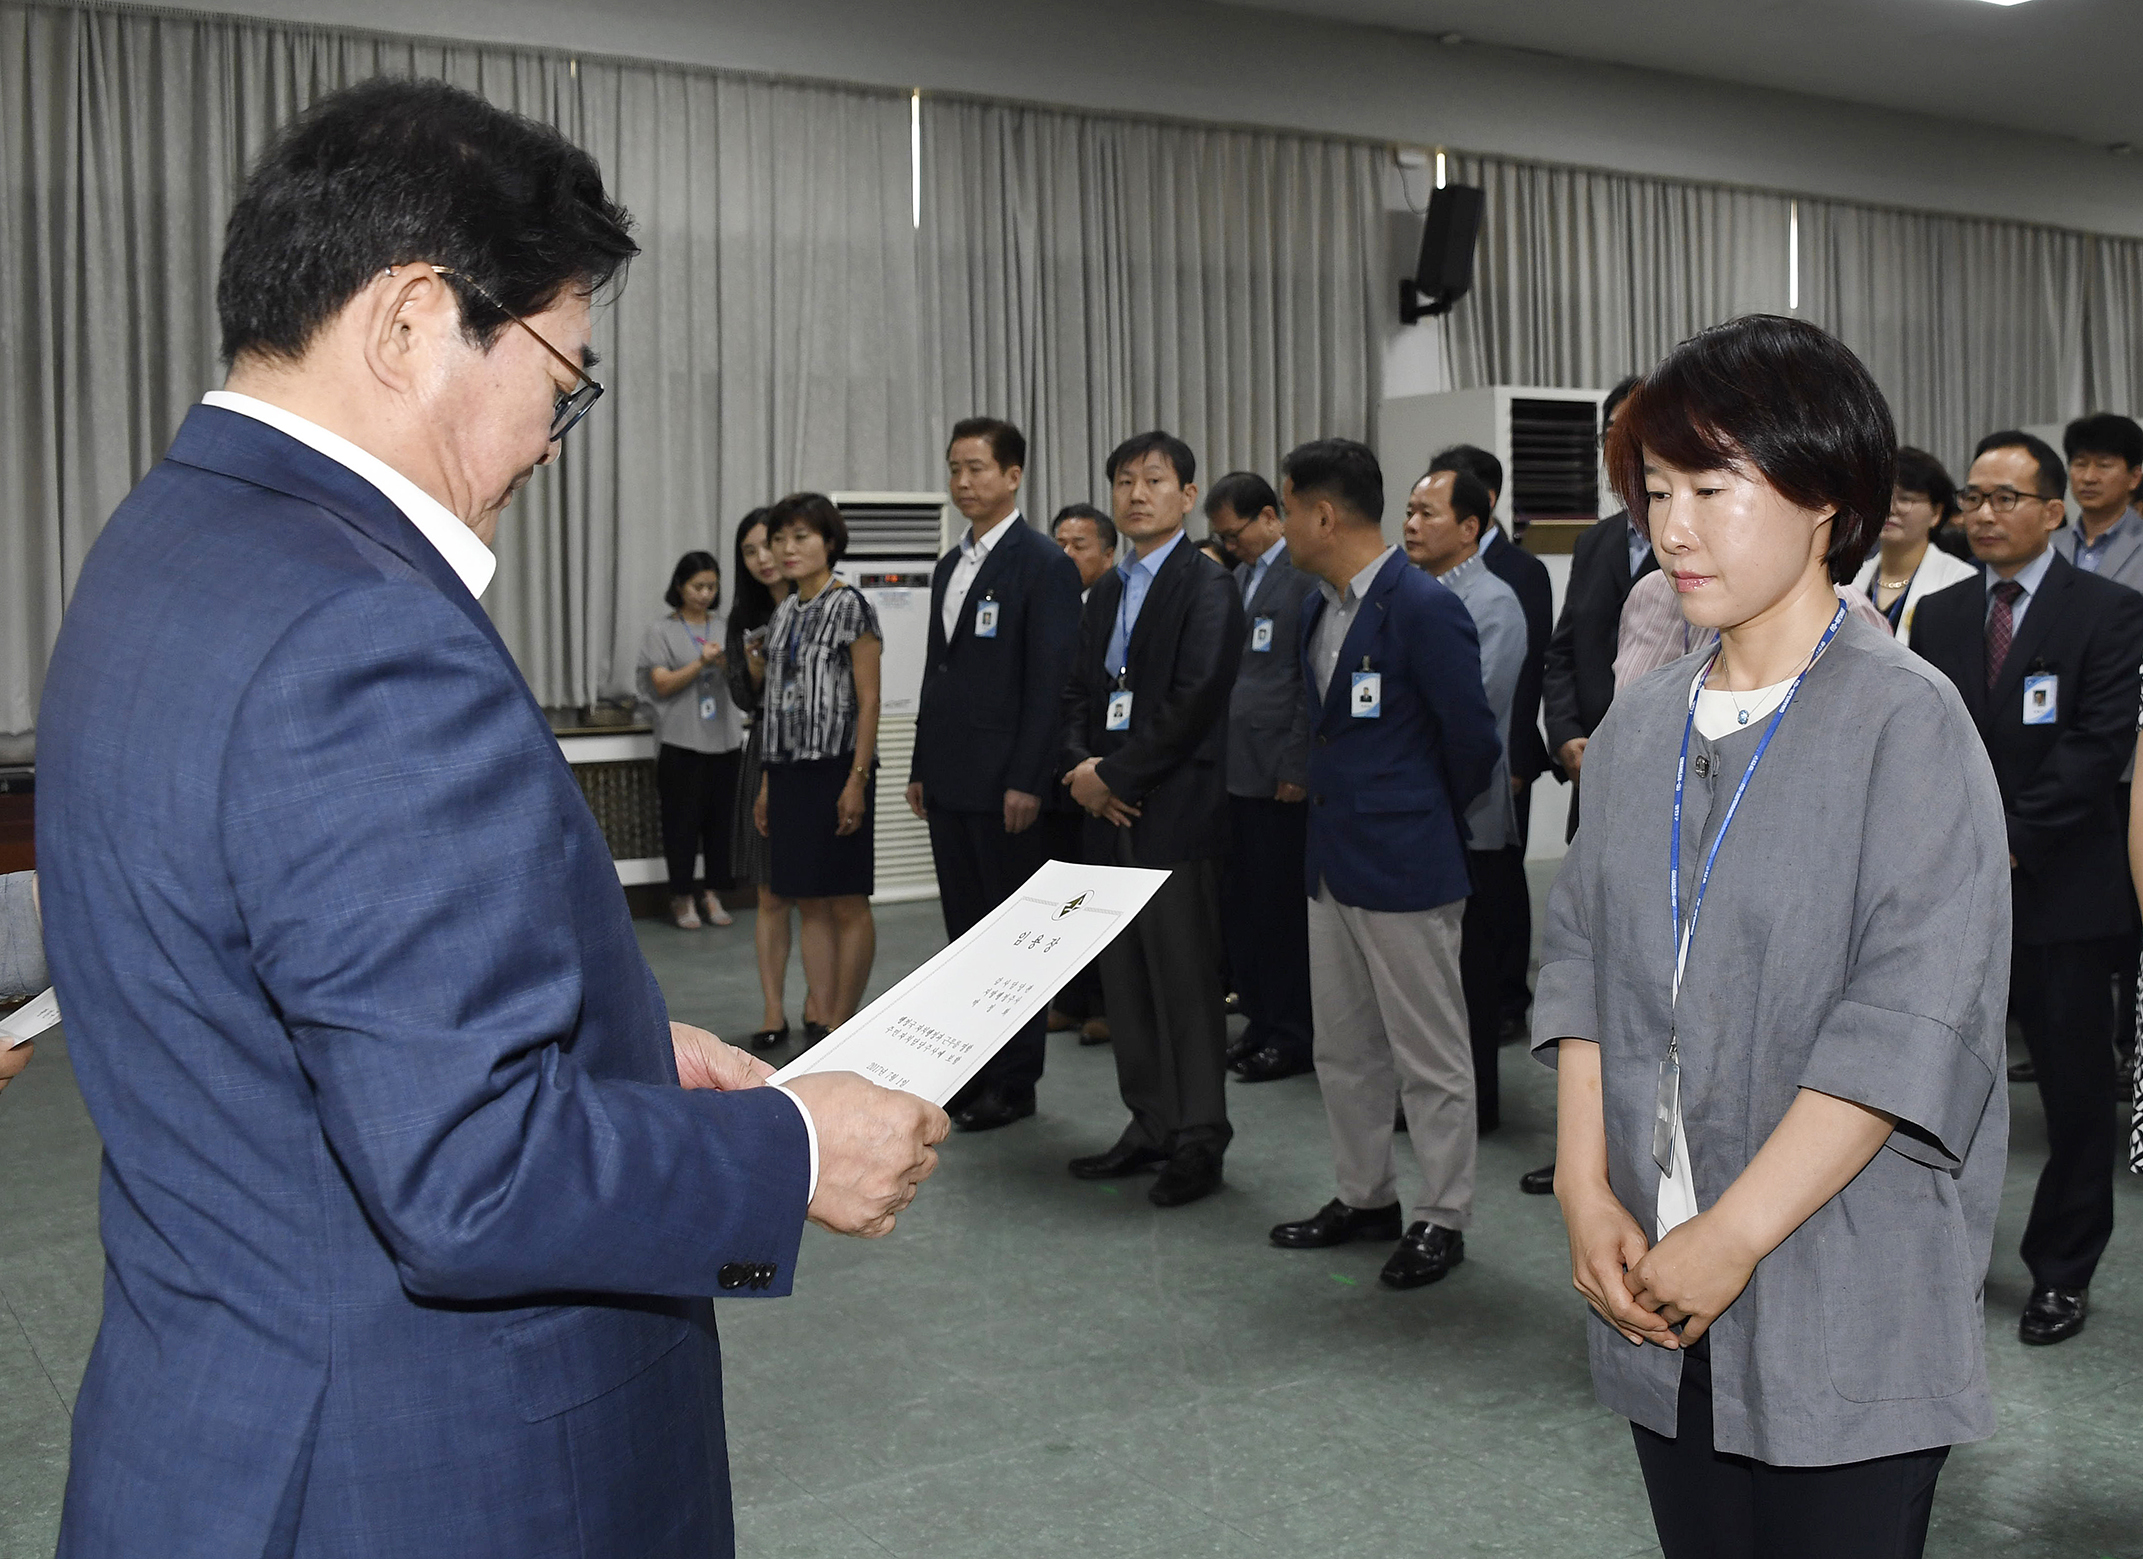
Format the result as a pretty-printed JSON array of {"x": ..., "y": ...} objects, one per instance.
[
  {"x": 1137, "y": 575},
  {"x": 2029, "y": 576},
  {"x": 1638, "y": 548},
  {"x": 1254, "y": 575},
  {"x": 2091, "y": 555}
]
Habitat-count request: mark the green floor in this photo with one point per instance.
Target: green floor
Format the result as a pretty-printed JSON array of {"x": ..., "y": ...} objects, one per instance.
[{"x": 1035, "y": 1366}]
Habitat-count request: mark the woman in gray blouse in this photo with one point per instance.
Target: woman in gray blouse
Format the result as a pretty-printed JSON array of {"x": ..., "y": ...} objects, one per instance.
[
  {"x": 22, "y": 956},
  {"x": 1779, "y": 1167},
  {"x": 700, "y": 735}
]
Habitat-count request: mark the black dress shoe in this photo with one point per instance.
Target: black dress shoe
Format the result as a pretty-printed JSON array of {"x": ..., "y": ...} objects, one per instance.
[
  {"x": 1538, "y": 1182},
  {"x": 1190, "y": 1173},
  {"x": 1244, "y": 1046},
  {"x": 2053, "y": 1315},
  {"x": 1426, "y": 1252},
  {"x": 1264, "y": 1066},
  {"x": 1232, "y": 1005},
  {"x": 1121, "y": 1160},
  {"x": 767, "y": 1039},
  {"x": 2023, "y": 1071},
  {"x": 992, "y": 1110},
  {"x": 814, "y": 1032},
  {"x": 1094, "y": 1031},
  {"x": 1336, "y": 1223}
]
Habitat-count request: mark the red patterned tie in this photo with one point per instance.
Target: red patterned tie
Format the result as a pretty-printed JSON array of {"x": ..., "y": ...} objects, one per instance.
[{"x": 2001, "y": 626}]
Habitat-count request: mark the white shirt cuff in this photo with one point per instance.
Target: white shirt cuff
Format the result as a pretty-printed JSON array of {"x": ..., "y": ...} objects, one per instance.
[{"x": 811, "y": 1135}]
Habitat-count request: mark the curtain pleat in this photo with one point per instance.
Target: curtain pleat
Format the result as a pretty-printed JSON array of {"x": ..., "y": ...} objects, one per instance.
[{"x": 1089, "y": 278}]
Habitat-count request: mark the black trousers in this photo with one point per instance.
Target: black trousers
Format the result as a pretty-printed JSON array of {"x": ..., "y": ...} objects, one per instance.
[
  {"x": 979, "y": 866},
  {"x": 2062, "y": 993},
  {"x": 1064, "y": 839},
  {"x": 697, "y": 792},
  {"x": 1167, "y": 1025},
  {"x": 1517, "y": 995},
  {"x": 1265, "y": 920},
  {"x": 1498, "y": 927},
  {"x": 1707, "y": 1505}
]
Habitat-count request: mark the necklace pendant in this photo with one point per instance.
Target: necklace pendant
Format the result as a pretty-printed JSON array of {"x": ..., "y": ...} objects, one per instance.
[{"x": 1744, "y": 718}]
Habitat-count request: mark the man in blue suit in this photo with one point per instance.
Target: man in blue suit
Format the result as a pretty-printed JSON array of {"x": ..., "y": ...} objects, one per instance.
[
  {"x": 1004, "y": 614},
  {"x": 1404, "y": 741},
  {"x": 412, "y": 1192}
]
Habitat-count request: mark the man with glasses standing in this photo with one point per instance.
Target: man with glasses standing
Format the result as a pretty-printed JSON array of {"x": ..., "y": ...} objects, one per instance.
[
  {"x": 2045, "y": 655},
  {"x": 1263, "y": 910},
  {"x": 413, "y": 1191}
]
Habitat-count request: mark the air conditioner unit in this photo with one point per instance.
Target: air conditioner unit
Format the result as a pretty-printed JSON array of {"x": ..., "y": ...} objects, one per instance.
[
  {"x": 1547, "y": 439},
  {"x": 894, "y": 542}
]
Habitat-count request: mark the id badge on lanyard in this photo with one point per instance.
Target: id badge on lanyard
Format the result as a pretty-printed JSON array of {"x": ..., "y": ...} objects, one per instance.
[
  {"x": 986, "y": 618},
  {"x": 1667, "y": 1105},
  {"x": 1119, "y": 716},
  {"x": 1261, "y": 636}
]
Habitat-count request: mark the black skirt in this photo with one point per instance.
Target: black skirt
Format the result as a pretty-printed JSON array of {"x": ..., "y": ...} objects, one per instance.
[{"x": 810, "y": 860}]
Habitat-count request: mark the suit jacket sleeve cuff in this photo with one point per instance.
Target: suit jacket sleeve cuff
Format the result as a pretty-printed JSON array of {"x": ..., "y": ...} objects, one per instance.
[{"x": 811, "y": 1138}]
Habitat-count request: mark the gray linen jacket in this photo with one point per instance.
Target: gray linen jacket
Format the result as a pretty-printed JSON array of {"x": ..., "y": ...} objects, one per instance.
[
  {"x": 1268, "y": 717},
  {"x": 1492, "y": 819},
  {"x": 1854, "y": 941},
  {"x": 2123, "y": 563}
]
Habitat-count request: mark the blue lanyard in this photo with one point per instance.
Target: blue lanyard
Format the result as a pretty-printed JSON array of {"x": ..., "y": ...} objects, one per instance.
[
  {"x": 1683, "y": 936},
  {"x": 1123, "y": 601}
]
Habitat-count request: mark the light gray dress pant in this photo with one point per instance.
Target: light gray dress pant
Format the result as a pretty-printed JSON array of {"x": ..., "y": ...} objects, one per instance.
[{"x": 1391, "y": 1027}]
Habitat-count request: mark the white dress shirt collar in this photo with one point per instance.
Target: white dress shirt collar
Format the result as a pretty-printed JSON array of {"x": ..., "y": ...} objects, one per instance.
[
  {"x": 979, "y": 550},
  {"x": 464, "y": 553}
]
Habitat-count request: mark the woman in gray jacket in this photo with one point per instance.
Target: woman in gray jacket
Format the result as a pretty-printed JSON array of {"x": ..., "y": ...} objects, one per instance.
[
  {"x": 22, "y": 957},
  {"x": 1773, "y": 981}
]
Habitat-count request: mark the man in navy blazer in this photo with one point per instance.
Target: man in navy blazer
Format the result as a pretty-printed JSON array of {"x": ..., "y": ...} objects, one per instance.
[
  {"x": 1404, "y": 741},
  {"x": 412, "y": 1192},
  {"x": 1004, "y": 614}
]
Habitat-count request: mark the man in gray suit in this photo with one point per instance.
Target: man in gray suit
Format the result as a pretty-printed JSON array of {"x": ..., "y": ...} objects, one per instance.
[
  {"x": 2105, "y": 455},
  {"x": 1264, "y": 911},
  {"x": 1445, "y": 517}
]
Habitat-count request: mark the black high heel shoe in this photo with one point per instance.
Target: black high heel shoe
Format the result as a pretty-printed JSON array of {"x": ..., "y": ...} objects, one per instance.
[{"x": 767, "y": 1039}]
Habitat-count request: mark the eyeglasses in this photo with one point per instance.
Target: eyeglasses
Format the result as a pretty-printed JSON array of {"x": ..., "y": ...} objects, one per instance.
[
  {"x": 2003, "y": 499},
  {"x": 570, "y": 407}
]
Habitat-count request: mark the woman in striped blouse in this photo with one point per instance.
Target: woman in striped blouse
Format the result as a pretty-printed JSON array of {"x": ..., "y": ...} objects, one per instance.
[{"x": 820, "y": 721}]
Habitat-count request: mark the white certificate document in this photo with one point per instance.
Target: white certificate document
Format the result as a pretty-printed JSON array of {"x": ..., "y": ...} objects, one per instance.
[
  {"x": 930, "y": 1033},
  {"x": 29, "y": 1020}
]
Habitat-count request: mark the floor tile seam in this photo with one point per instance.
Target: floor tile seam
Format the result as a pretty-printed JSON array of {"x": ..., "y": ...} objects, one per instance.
[{"x": 43, "y": 1368}]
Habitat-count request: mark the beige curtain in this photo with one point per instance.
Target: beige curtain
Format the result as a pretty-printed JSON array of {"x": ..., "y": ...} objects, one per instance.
[{"x": 1091, "y": 277}]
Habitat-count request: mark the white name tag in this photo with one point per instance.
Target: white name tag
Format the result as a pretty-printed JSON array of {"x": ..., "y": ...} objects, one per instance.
[
  {"x": 2041, "y": 699},
  {"x": 29, "y": 1020},
  {"x": 1120, "y": 711},
  {"x": 1368, "y": 700},
  {"x": 707, "y": 707},
  {"x": 986, "y": 620},
  {"x": 1261, "y": 635}
]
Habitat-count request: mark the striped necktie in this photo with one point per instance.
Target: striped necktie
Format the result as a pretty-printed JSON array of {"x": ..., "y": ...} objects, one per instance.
[{"x": 2001, "y": 628}]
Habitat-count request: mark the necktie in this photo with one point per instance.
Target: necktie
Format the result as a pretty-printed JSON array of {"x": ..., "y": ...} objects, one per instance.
[{"x": 2001, "y": 626}]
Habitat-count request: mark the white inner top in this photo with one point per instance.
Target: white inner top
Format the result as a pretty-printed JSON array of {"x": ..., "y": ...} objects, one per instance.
[{"x": 1719, "y": 713}]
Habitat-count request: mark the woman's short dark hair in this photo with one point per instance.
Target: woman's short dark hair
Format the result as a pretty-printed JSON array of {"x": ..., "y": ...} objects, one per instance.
[
  {"x": 1919, "y": 472},
  {"x": 818, "y": 512},
  {"x": 1104, "y": 527},
  {"x": 1778, "y": 395},
  {"x": 396, "y": 170},
  {"x": 1340, "y": 469},
  {"x": 688, "y": 565},
  {"x": 751, "y": 603},
  {"x": 1244, "y": 494}
]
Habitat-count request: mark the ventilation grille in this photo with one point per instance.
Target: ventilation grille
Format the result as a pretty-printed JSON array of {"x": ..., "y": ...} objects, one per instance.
[
  {"x": 891, "y": 529},
  {"x": 901, "y": 840},
  {"x": 1555, "y": 463}
]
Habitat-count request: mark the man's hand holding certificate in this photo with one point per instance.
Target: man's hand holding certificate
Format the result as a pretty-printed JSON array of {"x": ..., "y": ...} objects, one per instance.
[{"x": 930, "y": 1033}]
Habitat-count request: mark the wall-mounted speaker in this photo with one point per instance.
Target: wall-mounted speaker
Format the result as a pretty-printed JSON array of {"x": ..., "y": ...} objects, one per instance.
[{"x": 1445, "y": 269}]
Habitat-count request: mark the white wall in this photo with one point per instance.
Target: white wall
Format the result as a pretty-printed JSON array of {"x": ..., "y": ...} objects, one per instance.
[{"x": 1196, "y": 60}]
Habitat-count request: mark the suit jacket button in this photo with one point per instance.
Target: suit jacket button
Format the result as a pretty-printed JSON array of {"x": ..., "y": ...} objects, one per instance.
[
  {"x": 734, "y": 1274},
  {"x": 1319, "y": 800},
  {"x": 1324, "y": 741}
]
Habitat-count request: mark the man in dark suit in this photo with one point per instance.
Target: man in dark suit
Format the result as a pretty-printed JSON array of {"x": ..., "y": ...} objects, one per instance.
[
  {"x": 2045, "y": 655},
  {"x": 412, "y": 1191},
  {"x": 1502, "y": 897},
  {"x": 1404, "y": 741},
  {"x": 1088, "y": 537},
  {"x": 1004, "y": 612},
  {"x": 1263, "y": 912},
  {"x": 1145, "y": 744},
  {"x": 1578, "y": 672}
]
